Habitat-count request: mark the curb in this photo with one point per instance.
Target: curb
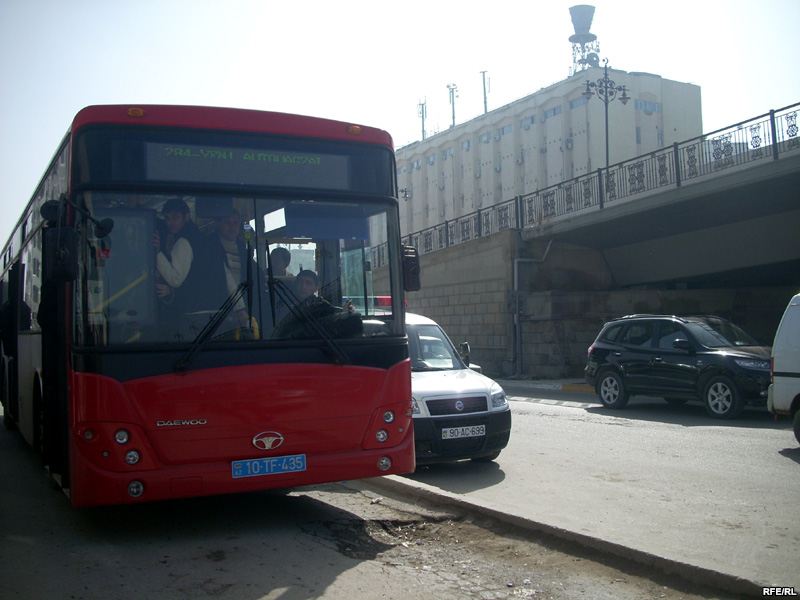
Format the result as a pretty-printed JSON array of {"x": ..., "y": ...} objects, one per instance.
[
  {"x": 558, "y": 386},
  {"x": 692, "y": 573}
]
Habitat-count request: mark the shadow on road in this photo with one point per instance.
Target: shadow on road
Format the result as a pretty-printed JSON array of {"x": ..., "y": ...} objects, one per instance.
[
  {"x": 793, "y": 453},
  {"x": 692, "y": 414},
  {"x": 460, "y": 477}
]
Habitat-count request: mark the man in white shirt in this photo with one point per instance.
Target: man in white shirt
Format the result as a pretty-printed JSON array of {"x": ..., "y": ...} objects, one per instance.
[{"x": 178, "y": 284}]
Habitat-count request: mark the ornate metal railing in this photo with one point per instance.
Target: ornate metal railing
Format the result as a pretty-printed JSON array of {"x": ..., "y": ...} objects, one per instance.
[{"x": 762, "y": 138}]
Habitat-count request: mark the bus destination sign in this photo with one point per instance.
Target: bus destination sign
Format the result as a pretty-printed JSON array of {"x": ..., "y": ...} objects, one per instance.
[{"x": 246, "y": 166}]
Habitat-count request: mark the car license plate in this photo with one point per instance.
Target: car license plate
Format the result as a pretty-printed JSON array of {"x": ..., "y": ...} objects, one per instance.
[
  {"x": 273, "y": 465},
  {"x": 451, "y": 433}
]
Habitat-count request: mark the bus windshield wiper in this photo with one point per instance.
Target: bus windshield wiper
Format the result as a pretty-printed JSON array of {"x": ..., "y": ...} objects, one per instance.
[
  {"x": 300, "y": 311},
  {"x": 211, "y": 327}
]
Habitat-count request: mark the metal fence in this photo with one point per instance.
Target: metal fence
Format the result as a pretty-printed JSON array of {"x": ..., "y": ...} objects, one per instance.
[{"x": 766, "y": 137}]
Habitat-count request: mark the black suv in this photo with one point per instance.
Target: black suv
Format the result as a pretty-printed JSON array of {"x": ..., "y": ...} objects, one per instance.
[{"x": 679, "y": 359}]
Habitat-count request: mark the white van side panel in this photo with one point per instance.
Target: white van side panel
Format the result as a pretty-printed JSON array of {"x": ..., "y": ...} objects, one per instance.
[{"x": 786, "y": 359}]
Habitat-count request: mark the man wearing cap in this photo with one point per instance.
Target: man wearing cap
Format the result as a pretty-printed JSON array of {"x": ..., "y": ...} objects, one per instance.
[{"x": 175, "y": 256}]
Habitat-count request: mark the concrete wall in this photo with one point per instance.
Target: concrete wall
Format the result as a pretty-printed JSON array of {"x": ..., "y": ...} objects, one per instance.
[
  {"x": 563, "y": 302},
  {"x": 466, "y": 289}
]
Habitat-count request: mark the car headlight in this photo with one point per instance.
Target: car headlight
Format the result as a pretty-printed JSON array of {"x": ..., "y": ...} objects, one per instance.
[
  {"x": 498, "y": 396},
  {"x": 414, "y": 406},
  {"x": 751, "y": 363}
]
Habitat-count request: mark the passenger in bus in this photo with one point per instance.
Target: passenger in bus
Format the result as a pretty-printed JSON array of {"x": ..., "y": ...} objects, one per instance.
[
  {"x": 306, "y": 284},
  {"x": 178, "y": 281},
  {"x": 226, "y": 262},
  {"x": 280, "y": 258},
  {"x": 338, "y": 322}
]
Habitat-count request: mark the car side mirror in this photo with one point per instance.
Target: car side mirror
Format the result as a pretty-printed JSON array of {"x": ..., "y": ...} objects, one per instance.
[
  {"x": 463, "y": 351},
  {"x": 682, "y": 345}
]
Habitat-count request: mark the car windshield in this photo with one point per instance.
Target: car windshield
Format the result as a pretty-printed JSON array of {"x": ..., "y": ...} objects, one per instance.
[
  {"x": 431, "y": 350},
  {"x": 720, "y": 333}
]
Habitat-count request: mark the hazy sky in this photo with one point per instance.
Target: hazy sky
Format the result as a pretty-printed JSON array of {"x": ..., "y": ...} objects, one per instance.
[{"x": 366, "y": 62}]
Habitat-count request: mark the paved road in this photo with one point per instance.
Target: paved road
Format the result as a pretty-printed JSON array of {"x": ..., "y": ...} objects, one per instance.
[
  {"x": 337, "y": 542},
  {"x": 671, "y": 482}
]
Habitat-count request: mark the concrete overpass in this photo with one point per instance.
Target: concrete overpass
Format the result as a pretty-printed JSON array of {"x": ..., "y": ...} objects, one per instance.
[{"x": 708, "y": 225}]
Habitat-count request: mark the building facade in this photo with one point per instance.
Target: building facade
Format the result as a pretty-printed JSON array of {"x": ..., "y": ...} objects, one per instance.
[{"x": 541, "y": 140}]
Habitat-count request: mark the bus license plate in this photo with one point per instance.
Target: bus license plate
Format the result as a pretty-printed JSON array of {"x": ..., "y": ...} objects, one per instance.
[
  {"x": 451, "y": 433},
  {"x": 273, "y": 465}
]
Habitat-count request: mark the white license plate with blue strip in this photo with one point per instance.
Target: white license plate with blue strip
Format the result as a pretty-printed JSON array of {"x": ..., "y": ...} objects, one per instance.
[
  {"x": 273, "y": 465},
  {"x": 471, "y": 431}
]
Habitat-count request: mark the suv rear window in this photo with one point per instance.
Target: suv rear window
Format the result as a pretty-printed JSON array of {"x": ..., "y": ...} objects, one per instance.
[
  {"x": 611, "y": 333},
  {"x": 638, "y": 334}
]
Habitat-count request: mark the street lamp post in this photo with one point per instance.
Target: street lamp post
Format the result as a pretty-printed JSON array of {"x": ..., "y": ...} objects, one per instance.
[{"x": 606, "y": 89}]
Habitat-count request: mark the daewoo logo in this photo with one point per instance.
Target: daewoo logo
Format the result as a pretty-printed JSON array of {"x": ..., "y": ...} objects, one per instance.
[
  {"x": 459, "y": 405},
  {"x": 182, "y": 423},
  {"x": 267, "y": 440}
]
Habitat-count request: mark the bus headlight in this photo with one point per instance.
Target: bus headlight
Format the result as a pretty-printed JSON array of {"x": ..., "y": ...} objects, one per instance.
[
  {"x": 132, "y": 457},
  {"x": 121, "y": 436},
  {"x": 384, "y": 463},
  {"x": 388, "y": 417},
  {"x": 382, "y": 435}
]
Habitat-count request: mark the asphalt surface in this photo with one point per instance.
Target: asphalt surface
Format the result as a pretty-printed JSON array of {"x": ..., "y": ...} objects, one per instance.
[{"x": 737, "y": 570}]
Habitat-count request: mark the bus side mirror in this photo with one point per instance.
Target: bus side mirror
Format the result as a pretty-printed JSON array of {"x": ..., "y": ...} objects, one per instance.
[
  {"x": 411, "y": 279},
  {"x": 60, "y": 254},
  {"x": 50, "y": 211}
]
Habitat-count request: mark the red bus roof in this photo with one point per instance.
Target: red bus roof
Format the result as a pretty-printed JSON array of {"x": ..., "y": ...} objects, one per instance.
[{"x": 230, "y": 119}]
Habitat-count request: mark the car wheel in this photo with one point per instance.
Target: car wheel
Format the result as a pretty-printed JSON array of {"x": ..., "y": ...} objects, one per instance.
[
  {"x": 676, "y": 401},
  {"x": 796, "y": 422},
  {"x": 487, "y": 458},
  {"x": 722, "y": 399},
  {"x": 611, "y": 390}
]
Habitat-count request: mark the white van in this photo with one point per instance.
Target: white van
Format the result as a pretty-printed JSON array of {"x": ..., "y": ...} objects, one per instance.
[
  {"x": 783, "y": 395},
  {"x": 458, "y": 412}
]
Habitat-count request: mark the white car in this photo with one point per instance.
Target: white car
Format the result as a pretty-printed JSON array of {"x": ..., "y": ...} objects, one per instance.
[{"x": 458, "y": 412}]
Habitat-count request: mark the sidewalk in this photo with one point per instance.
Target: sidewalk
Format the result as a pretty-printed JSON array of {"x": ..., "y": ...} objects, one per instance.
[{"x": 417, "y": 492}]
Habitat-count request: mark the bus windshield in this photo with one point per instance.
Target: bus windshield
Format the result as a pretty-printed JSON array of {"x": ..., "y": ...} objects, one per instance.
[{"x": 266, "y": 268}]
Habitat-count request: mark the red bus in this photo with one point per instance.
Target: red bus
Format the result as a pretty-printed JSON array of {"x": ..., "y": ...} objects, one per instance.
[{"x": 154, "y": 342}]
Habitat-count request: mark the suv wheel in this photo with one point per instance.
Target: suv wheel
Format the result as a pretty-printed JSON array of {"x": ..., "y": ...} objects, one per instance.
[
  {"x": 722, "y": 399},
  {"x": 611, "y": 390},
  {"x": 796, "y": 422}
]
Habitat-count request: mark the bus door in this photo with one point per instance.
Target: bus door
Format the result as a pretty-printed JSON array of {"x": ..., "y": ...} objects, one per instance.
[{"x": 51, "y": 318}]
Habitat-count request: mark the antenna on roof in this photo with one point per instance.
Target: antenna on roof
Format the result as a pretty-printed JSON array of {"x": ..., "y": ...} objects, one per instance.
[{"x": 422, "y": 111}]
